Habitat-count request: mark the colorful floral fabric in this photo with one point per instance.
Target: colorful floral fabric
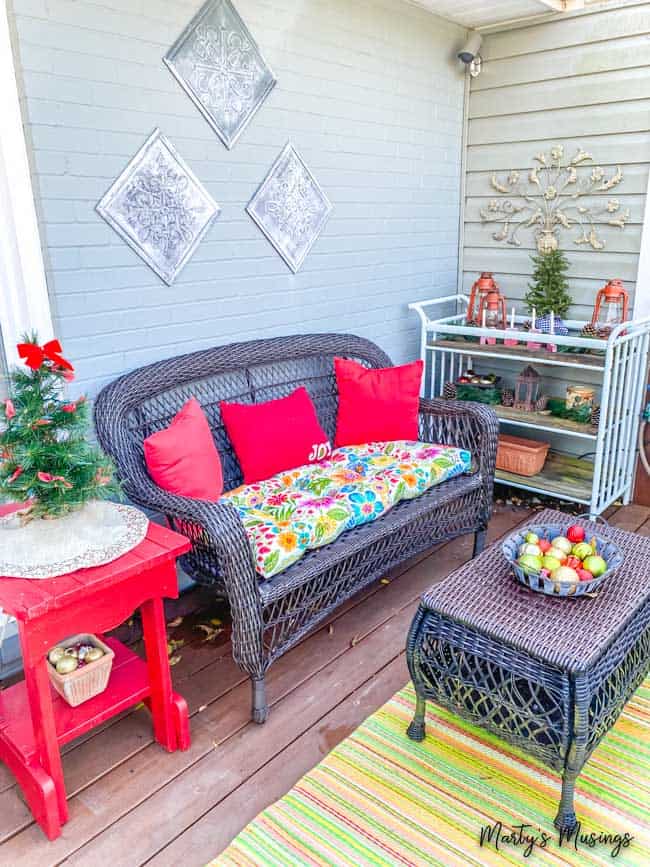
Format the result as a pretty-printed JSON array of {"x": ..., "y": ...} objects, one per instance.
[{"x": 293, "y": 512}]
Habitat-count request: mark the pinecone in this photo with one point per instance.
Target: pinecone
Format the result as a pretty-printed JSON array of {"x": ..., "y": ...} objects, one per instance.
[
  {"x": 527, "y": 325},
  {"x": 449, "y": 391},
  {"x": 589, "y": 331},
  {"x": 507, "y": 396}
]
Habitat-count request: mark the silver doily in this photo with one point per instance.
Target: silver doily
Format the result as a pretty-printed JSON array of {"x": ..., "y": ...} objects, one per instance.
[{"x": 98, "y": 533}]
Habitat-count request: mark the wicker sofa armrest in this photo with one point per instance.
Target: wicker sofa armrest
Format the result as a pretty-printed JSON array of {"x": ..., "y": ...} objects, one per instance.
[
  {"x": 214, "y": 528},
  {"x": 472, "y": 426},
  {"x": 219, "y": 545}
]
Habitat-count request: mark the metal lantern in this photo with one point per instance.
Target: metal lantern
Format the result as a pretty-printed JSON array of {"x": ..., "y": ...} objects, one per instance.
[
  {"x": 527, "y": 389},
  {"x": 612, "y": 303},
  {"x": 492, "y": 310},
  {"x": 480, "y": 287}
]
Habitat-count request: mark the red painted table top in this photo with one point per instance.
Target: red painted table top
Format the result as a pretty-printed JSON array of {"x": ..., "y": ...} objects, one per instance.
[{"x": 27, "y": 599}]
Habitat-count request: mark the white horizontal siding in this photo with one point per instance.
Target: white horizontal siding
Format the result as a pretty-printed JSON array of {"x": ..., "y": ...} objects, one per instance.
[
  {"x": 580, "y": 82},
  {"x": 369, "y": 93}
]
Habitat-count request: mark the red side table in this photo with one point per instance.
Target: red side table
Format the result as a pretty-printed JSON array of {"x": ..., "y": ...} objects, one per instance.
[{"x": 34, "y": 719}]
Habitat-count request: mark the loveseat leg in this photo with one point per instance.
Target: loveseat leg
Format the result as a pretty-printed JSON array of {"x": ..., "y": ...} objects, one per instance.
[
  {"x": 260, "y": 707},
  {"x": 479, "y": 542}
]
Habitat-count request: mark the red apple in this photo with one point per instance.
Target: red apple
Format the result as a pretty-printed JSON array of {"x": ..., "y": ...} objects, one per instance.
[
  {"x": 585, "y": 575},
  {"x": 573, "y": 562},
  {"x": 544, "y": 545},
  {"x": 575, "y": 534}
]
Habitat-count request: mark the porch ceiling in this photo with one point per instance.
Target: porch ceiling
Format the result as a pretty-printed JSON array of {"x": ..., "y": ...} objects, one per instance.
[
  {"x": 485, "y": 13},
  {"x": 481, "y": 13}
]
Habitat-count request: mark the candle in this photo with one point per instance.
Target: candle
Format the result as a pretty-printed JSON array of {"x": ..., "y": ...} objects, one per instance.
[
  {"x": 483, "y": 320},
  {"x": 531, "y": 343},
  {"x": 551, "y": 346},
  {"x": 509, "y": 341}
]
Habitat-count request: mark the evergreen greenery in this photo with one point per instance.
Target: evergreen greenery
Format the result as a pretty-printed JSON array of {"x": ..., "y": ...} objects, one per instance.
[
  {"x": 45, "y": 457},
  {"x": 549, "y": 289}
]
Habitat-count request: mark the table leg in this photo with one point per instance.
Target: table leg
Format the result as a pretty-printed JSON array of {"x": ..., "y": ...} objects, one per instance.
[
  {"x": 155, "y": 641},
  {"x": 566, "y": 818},
  {"x": 37, "y": 683},
  {"x": 416, "y": 730}
]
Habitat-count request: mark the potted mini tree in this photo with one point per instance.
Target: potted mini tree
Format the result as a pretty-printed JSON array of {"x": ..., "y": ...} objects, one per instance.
[
  {"x": 47, "y": 461},
  {"x": 62, "y": 481}
]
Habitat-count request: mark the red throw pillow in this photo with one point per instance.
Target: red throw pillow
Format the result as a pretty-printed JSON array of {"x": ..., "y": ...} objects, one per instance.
[
  {"x": 275, "y": 436},
  {"x": 377, "y": 404},
  {"x": 183, "y": 458}
]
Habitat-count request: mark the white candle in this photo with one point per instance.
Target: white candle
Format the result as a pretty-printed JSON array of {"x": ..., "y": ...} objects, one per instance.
[
  {"x": 552, "y": 322},
  {"x": 534, "y": 318},
  {"x": 512, "y": 319},
  {"x": 483, "y": 322}
]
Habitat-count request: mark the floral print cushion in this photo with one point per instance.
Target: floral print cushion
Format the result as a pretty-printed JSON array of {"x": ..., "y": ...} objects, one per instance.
[{"x": 295, "y": 511}]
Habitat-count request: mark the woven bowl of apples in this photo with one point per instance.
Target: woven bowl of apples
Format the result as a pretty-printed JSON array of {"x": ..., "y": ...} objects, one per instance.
[{"x": 561, "y": 561}]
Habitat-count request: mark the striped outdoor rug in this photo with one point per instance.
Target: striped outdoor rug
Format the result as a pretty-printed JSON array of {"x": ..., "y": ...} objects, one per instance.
[{"x": 380, "y": 799}]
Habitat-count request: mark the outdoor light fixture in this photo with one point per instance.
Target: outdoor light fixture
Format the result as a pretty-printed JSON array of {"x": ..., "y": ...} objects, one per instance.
[{"x": 469, "y": 53}]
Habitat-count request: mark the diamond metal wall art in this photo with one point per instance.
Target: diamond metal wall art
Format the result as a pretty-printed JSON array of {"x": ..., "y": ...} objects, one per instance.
[
  {"x": 218, "y": 63},
  {"x": 159, "y": 207},
  {"x": 290, "y": 207}
]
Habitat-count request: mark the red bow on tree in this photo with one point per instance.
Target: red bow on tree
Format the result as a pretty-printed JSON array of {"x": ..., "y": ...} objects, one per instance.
[{"x": 35, "y": 355}]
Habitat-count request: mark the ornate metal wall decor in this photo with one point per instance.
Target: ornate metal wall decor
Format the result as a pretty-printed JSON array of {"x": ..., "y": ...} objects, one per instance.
[
  {"x": 218, "y": 64},
  {"x": 159, "y": 207},
  {"x": 551, "y": 201},
  {"x": 290, "y": 207}
]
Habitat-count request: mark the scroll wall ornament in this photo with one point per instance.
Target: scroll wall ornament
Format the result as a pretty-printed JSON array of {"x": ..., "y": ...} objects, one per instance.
[
  {"x": 159, "y": 207},
  {"x": 553, "y": 197},
  {"x": 290, "y": 207},
  {"x": 217, "y": 62}
]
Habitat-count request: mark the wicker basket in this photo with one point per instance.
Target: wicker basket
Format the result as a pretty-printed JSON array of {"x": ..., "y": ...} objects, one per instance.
[
  {"x": 89, "y": 680},
  {"x": 521, "y": 456},
  {"x": 539, "y": 583}
]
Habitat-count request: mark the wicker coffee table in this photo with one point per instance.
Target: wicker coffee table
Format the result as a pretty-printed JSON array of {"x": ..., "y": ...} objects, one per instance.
[{"x": 550, "y": 676}]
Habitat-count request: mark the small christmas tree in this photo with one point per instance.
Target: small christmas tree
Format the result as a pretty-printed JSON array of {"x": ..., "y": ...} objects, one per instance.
[
  {"x": 45, "y": 457},
  {"x": 549, "y": 289}
]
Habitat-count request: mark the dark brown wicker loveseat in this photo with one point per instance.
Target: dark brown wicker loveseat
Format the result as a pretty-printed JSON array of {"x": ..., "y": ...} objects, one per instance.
[{"x": 270, "y": 616}]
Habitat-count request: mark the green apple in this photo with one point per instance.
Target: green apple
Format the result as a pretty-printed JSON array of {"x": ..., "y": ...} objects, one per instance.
[
  {"x": 582, "y": 550},
  {"x": 533, "y": 538},
  {"x": 529, "y": 548},
  {"x": 565, "y": 573},
  {"x": 595, "y": 564},
  {"x": 562, "y": 543},
  {"x": 551, "y": 563},
  {"x": 530, "y": 563}
]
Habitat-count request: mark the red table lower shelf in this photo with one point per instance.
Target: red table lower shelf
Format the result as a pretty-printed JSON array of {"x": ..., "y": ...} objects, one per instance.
[{"x": 128, "y": 685}]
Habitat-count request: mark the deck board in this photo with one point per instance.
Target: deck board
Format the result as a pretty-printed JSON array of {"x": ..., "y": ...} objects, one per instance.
[{"x": 131, "y": 803}]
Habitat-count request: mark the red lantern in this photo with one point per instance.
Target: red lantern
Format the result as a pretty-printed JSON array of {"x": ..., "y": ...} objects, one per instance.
[
  {"x": 612, "y": 302},
  {"x": 492, "y": 311},
  {"x": 481, "y": 287}
]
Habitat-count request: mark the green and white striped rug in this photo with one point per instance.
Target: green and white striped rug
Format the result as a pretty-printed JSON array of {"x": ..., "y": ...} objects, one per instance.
[{"x": 380, "y": 799}]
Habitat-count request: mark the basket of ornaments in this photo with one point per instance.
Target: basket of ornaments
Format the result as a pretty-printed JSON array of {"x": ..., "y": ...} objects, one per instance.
[
  {"x": 561, "y": 561},
  {"x": 79, "y": 667}
]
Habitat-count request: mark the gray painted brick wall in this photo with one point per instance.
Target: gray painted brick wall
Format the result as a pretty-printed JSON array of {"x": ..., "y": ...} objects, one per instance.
[{"x": 369, "y": 92}]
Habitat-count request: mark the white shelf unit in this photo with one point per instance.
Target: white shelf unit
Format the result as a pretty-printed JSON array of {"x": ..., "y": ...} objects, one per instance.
[{"x": 622, "y": 369}]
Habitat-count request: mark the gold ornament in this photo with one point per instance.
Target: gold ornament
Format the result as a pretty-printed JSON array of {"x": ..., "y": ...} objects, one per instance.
[
  {"x": 56, "y": 654},
  {"x": 93, "y": 654},
  {"x": 67, "y": 664}
]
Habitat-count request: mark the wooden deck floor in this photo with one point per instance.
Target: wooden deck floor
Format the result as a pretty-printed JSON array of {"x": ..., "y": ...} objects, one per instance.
[{"x": 131, "y": 803}]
